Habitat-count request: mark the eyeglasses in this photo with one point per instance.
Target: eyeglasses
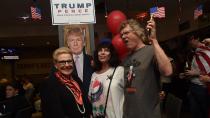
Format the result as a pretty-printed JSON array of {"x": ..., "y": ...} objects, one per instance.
[
  {"x": 125, "y": 33},
  {"x": 64, "y": 62}
]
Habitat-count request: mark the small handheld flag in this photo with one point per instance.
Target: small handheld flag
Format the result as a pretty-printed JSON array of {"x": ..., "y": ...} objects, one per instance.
[
  {"x": 157, "y": 12},
  {"x": 35, "y": 13}
]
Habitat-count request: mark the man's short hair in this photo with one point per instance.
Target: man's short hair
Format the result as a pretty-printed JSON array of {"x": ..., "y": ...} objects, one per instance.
[
  {"x": 192, "y": 35},
  {"x": 74, "y": 30}
]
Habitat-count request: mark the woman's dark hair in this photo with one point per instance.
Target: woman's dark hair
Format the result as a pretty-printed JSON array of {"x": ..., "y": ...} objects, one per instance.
[{"x": 114, "y": 60}]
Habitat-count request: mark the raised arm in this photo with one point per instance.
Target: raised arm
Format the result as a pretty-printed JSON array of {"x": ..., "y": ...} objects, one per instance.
[{"x": 164, "y": 64}]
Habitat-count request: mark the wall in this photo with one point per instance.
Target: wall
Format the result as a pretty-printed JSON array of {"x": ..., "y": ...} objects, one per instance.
[{"x": 34, "y": 62}]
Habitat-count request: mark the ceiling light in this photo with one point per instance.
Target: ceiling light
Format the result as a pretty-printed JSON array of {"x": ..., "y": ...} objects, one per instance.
[
  {"x": 22, "y": 44},
  {"x": 24, "y": 17}
]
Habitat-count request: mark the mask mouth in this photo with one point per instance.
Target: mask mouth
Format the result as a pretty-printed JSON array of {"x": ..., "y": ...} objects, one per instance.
[{"x": 67, "y": 67}]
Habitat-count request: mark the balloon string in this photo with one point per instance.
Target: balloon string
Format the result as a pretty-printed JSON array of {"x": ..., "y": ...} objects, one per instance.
[
  {"x": 156, "y": 2},
  {"x": 106, "y": 8}
]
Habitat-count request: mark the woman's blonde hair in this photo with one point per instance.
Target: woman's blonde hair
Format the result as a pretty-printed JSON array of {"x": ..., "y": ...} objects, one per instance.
[{"x": 59, "y": 51}]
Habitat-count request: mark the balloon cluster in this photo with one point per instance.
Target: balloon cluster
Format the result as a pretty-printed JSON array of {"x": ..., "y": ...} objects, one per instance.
[{"x": 114, "y": 19}]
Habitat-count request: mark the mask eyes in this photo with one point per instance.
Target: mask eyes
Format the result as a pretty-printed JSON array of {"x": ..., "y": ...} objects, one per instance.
[{"x": 64, "y": 62}]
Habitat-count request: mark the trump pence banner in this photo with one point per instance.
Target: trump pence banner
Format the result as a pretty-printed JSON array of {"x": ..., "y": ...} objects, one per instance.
[{"x": 72, "y": 12}]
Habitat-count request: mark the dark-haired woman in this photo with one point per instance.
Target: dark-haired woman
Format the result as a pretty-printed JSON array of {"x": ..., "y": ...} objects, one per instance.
[{"x": 106, "y": 61}]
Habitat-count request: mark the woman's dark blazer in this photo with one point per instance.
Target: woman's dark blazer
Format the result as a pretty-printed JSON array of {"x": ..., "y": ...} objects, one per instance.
[{"x": 58, "y": 102}]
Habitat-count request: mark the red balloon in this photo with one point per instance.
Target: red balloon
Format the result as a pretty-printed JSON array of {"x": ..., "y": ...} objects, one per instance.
[
  {"x": 120, "y": 46},
  {"x": 114, "y": 19}
]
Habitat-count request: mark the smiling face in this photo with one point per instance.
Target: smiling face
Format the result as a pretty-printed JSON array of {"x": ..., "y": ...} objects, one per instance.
[
  {"x": 130, "y": 38},
  {"x": 104, "y": 55},
  {"x": 63, "y": 60},
  {"x": 64, "y": 63}
]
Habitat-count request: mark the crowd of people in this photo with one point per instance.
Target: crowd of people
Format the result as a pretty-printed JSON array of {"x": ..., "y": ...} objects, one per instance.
[
  {"x": 115, "y": 88},
  {"x": 199, "y": 75},
  {"x": 109, "y": 89},
  {"x": 13, "y": 101}
]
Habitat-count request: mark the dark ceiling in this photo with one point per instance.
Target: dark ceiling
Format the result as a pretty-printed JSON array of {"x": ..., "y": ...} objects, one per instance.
[
  {"x": 14, "y": 29},
  {"x": 12, "y": 11}
]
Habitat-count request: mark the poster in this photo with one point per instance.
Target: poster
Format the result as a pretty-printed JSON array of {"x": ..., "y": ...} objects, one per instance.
[{"x": 72, "y": 12}]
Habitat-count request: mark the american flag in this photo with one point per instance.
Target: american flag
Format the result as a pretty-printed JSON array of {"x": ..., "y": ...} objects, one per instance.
[
  {"x": 157, "y": 12},
  {"x": 36, "y": 13},
  {"x": 198, "y": 11}
]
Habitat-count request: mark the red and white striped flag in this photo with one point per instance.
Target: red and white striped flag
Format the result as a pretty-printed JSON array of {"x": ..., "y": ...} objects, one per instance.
[
  {"x": 157, "y": 12},
  {"x": 202, "y": 60},
  {"x": 36, "y": 13}
]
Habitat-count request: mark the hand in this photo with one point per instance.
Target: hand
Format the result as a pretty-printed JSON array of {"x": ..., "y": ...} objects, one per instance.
[
  {"x": 206, "y": 41},
  {"x": 204, "y": 78},
  {"x": 191, "y": 72},
  {"x": 151, "y": 26}
]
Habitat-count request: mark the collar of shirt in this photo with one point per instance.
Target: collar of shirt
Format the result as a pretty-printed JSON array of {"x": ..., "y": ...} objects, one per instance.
[{"x": 80, "y": 56}]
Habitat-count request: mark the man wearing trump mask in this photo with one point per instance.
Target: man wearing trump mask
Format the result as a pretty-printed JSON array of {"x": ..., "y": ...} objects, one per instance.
[{"x": 75, "y": 40}]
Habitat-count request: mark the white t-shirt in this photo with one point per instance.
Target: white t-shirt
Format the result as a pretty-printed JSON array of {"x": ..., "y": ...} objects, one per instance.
[{"x": 98, "y": 93}]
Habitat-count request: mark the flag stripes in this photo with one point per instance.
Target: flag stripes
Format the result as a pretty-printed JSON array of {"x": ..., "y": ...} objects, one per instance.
[
  {"x": 35, "y": 13},
  {"x": 158, "y": 12}
]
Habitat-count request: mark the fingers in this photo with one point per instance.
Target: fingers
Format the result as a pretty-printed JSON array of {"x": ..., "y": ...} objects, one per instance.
[
  {"x": 150, "y": 23},
  {"x": 188, "y": 72},
  {"x": 204, "y": 41},
  {"x": 204, "y": 78},
  {"x": 181, "y": 75}
]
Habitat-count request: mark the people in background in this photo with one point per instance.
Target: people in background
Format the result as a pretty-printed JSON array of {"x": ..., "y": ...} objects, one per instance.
[
  {"x": 107, "y": 101},
  {"x": 200, "y": 68},
  {"x": 62, "y": 95},
  {"x": 146, "y": 63},
  {"x": 28, "y": 88},
  {"x": 3, "y": 83},
  {"x": 14, "y": 101},
  {"x": 75, "y": 40},
  {"x": 166, "y": 83},
  {"x": 206, "y": 41},
  {"x": 37, "y": 102}
]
